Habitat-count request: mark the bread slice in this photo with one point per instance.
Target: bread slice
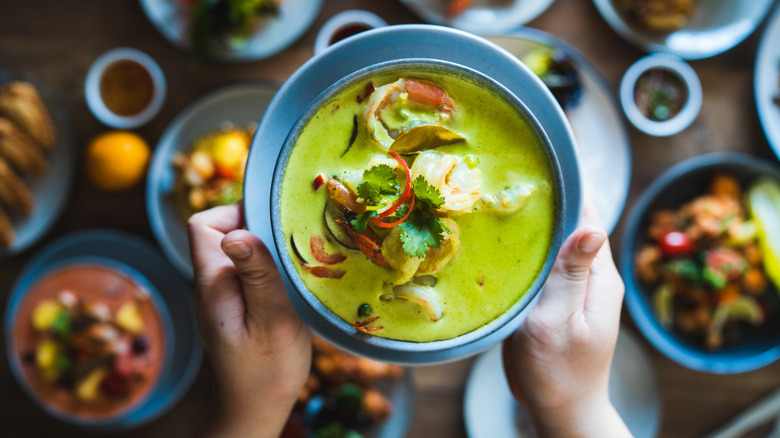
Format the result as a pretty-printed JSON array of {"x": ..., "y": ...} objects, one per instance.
[
  {"x": 18, "y": 149},
  {"x": 7, "y": 235},
  {"x": 21, "y": 103},
  {"x": 13, "y": 191}
]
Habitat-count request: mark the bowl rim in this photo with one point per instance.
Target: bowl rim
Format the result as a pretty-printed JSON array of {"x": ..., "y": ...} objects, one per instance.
[
  {"x": 684, "y": 72},
  {"x": 95, "y": 100},
  {"x": 636, "y": 300},
  {"x": 31, "y": 276},
  {"x": 342, "y": 19},
  {"x": 393, "y": 346}
]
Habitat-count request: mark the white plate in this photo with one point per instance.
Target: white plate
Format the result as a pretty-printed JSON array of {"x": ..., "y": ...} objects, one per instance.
[
  {"x": 239, "y": 104},
  {"x": 603, "y": 142},
  {"x": 484, "y": 16},
  {"x": 716, "y": 26},
  {"x": 51, "y": 190},
  {"x": 767, "y": 80},
  {"x": 490, "y": 410},
  {"x": 273, "y": 36}
]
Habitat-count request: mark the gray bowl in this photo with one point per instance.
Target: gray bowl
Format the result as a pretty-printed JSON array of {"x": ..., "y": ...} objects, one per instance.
[{"x": 341, "y": 333}]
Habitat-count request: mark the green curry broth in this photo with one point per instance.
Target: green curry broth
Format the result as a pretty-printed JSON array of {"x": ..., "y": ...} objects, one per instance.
[{"x": 499, "y": 255}]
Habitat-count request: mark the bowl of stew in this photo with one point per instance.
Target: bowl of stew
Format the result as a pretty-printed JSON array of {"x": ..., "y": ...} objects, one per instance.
[
  {"x": 698, "y": 260},
  {"x": 417, "y": 208}
]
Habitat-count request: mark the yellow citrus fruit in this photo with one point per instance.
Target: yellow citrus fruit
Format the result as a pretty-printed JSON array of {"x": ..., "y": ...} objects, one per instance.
[{"x": 116, "y": 160}]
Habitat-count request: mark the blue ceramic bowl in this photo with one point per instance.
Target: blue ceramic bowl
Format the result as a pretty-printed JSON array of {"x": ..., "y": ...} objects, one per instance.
[
  {"x": 341, "y": 333},
  {"x": 136, "y": 259},
  {"x": 676, "y": 186}
]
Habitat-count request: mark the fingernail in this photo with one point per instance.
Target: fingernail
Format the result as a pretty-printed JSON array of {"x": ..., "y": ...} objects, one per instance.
[
  {"x": 237, "y": 249},
  {"x": 591, "y": 242}
]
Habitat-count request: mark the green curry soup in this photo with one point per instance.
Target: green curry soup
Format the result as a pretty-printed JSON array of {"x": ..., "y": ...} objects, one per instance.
[{"x": 504, "y": 230}]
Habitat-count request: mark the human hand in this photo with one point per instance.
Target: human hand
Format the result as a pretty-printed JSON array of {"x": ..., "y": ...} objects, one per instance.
[
  {"x": 258, "y": 346},
  {"x": 557, "y": 363}
]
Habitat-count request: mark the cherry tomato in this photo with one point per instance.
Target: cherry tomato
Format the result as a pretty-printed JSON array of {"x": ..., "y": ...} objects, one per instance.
[{"x": 676, "y": 244}]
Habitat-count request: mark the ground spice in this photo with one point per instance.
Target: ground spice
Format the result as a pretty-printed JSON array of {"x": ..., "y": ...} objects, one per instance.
[{"x": 126, "y": 88}]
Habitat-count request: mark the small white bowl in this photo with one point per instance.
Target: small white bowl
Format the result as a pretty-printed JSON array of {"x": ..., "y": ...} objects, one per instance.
[
  {"x": 689, "y": 110},
  {"x": 95, "y": 100},
  {"x": 342, "y": 21}
]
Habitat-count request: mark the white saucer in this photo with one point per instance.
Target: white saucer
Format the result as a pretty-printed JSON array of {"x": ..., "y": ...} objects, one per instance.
[
  {"x": 484, "y": 16},
  {"x": 766, "y": 82},
  {"x": 490, "y": 410},
  {"x": 603, "y": 142}
]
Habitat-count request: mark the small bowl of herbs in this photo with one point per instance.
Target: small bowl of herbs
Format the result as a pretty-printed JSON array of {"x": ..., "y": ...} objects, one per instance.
[{"x": 661, "y": 95}]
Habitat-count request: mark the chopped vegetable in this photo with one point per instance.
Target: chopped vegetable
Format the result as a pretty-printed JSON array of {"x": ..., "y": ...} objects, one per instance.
[
  {"x": 424, "y": 137},
  {"x": 676, "y": 244},
  {"x": 324, "y": 271},
  {"x": 317, "y": 247},
  {"x": 364, "y": 310}
]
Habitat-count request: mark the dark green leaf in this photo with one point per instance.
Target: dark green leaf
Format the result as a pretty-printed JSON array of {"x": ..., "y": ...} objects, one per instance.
[
  {"x": 360, "y": 222},
  {"x": 427, "y": 194},
  {"x": 420, "y": 232},
  {"x": 378, "y": 182}
]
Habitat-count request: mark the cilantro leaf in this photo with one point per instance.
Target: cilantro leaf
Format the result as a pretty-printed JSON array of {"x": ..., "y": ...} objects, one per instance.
[
  {"x": 378, "y": 182},
  {"x": 361, "y": 221},
  {"x": 420, "y": 232},
  {"x": 427, "y": 194}
]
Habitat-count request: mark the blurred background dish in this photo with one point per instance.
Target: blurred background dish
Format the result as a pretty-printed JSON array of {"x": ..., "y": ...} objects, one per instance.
[
  {"x": 690, "y": 29},
  {"x": 230, "y": 110},
  {"x": 479, "y": 16},
  {"x": 766, "y": 81},
  {"x": 490, "y": 410},
  {"x": 603, "y": 144},
  {"x": 706, "y": 297},
  {"x": 344, "y": 25},
  {"x": 136, "y": 259},
  {"x": 421, "y": 41},
  {"x": 125, "y": 88},
  {"x": 661, "y": 94},
  {"x": 270, "y": 35},
  {"x": 37, "y": 172}
]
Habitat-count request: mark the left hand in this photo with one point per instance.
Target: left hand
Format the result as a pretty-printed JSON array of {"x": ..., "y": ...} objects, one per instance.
[{"x": 259, "y": 347}]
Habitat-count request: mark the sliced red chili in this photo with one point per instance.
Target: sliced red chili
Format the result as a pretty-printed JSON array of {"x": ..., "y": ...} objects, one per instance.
[
  {"x": 324, "y": 271},
  {"x": 407, "y": 188},
  {"x": 319, "y": 180},
  {"x": 398, "y": 222}
]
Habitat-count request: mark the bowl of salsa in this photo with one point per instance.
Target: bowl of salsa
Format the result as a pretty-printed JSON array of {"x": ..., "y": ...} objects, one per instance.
[
  {"x": 417, "y": 208},
  {"x": 661, "y": 95}
]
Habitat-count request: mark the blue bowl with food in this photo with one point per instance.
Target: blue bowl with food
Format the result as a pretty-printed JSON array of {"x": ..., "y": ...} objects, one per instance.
[{"x": 699, "y": 260}]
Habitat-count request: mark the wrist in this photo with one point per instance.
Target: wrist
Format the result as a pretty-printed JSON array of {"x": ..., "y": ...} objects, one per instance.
[{"x": 592, "y": 416}]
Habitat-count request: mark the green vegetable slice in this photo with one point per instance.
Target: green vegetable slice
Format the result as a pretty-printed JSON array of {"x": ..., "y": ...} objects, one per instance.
[{"x": 764, "y": 203}]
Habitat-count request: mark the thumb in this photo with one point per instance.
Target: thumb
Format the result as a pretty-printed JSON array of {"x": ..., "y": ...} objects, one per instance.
[
  {"x": 261, "y": 282},
  {"x": 565, "y": 291}
]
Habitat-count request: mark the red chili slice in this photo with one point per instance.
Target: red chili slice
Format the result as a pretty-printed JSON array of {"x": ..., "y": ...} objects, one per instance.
[
  {"x": 324, "y": 271},
  {"x": 319, "y": 180},
  {"x": 317, "y": 246},
  {"x": 426, "y": 93},
  {"x": 398, "y": 222},
  {"x": 407, "y": 188}
]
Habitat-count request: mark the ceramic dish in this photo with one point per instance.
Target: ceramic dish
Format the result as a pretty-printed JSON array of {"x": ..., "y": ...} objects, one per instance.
[
  {"x": 239, "y": 104},
  {"x": 295, "y": 17},
  {"x": 370, "y": 48},
  {"x": 449, "y": 348},
  {"x": 95, "y": 100},
  {"x": 52, "y": 190},
  {"x": 603, "y": 143},
  {"x": 484, "y": 16},
  {"x": 681, "y": 70},
  {"x": 766, "y": 81},
  {"x": 119, "y": 249},
  {"x": 345, "y": 24},
  {"x": 489, "y": 409},
  {"x": 680, "y": 184},
  {"x": 716, "y": 26}
]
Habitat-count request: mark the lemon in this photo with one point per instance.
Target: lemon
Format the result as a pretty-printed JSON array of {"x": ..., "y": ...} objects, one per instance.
[{"x": 116, "y": 160}]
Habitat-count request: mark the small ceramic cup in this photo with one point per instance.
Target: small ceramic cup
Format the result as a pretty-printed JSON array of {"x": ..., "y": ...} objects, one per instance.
[
  {"x": 682, "y": 71},
  {"x": 345, "y": 24},
  {"x": 94, "y": 97}
]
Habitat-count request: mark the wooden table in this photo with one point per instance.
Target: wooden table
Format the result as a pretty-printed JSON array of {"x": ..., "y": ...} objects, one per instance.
[{"x": 57, "y": 40}]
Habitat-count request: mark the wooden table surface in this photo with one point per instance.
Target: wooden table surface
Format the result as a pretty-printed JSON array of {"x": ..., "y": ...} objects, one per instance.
[{"x": 57, "y": 40}]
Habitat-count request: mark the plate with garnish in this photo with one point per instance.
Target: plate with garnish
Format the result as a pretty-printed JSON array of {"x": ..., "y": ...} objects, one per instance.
[
  {"x": 36, "y": 160},
  {"x": 590, "y": 104},
  {"x": 232, "y": 30},
  {"x": 479, "y": 16},
  {"x": 767, "y": 81}
]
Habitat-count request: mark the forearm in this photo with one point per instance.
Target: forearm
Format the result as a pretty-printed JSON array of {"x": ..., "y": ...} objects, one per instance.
[{"x": 596, "y": 418}]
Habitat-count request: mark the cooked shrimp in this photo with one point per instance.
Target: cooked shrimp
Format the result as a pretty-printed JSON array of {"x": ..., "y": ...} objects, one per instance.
[
  {"x": 508, "y": 200},
  {"x": 404, "y": 265},
  {"x": 394, "y": 108},
  {"x": 460, "y": 185},
  {"x": 437, "y": 258}
]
